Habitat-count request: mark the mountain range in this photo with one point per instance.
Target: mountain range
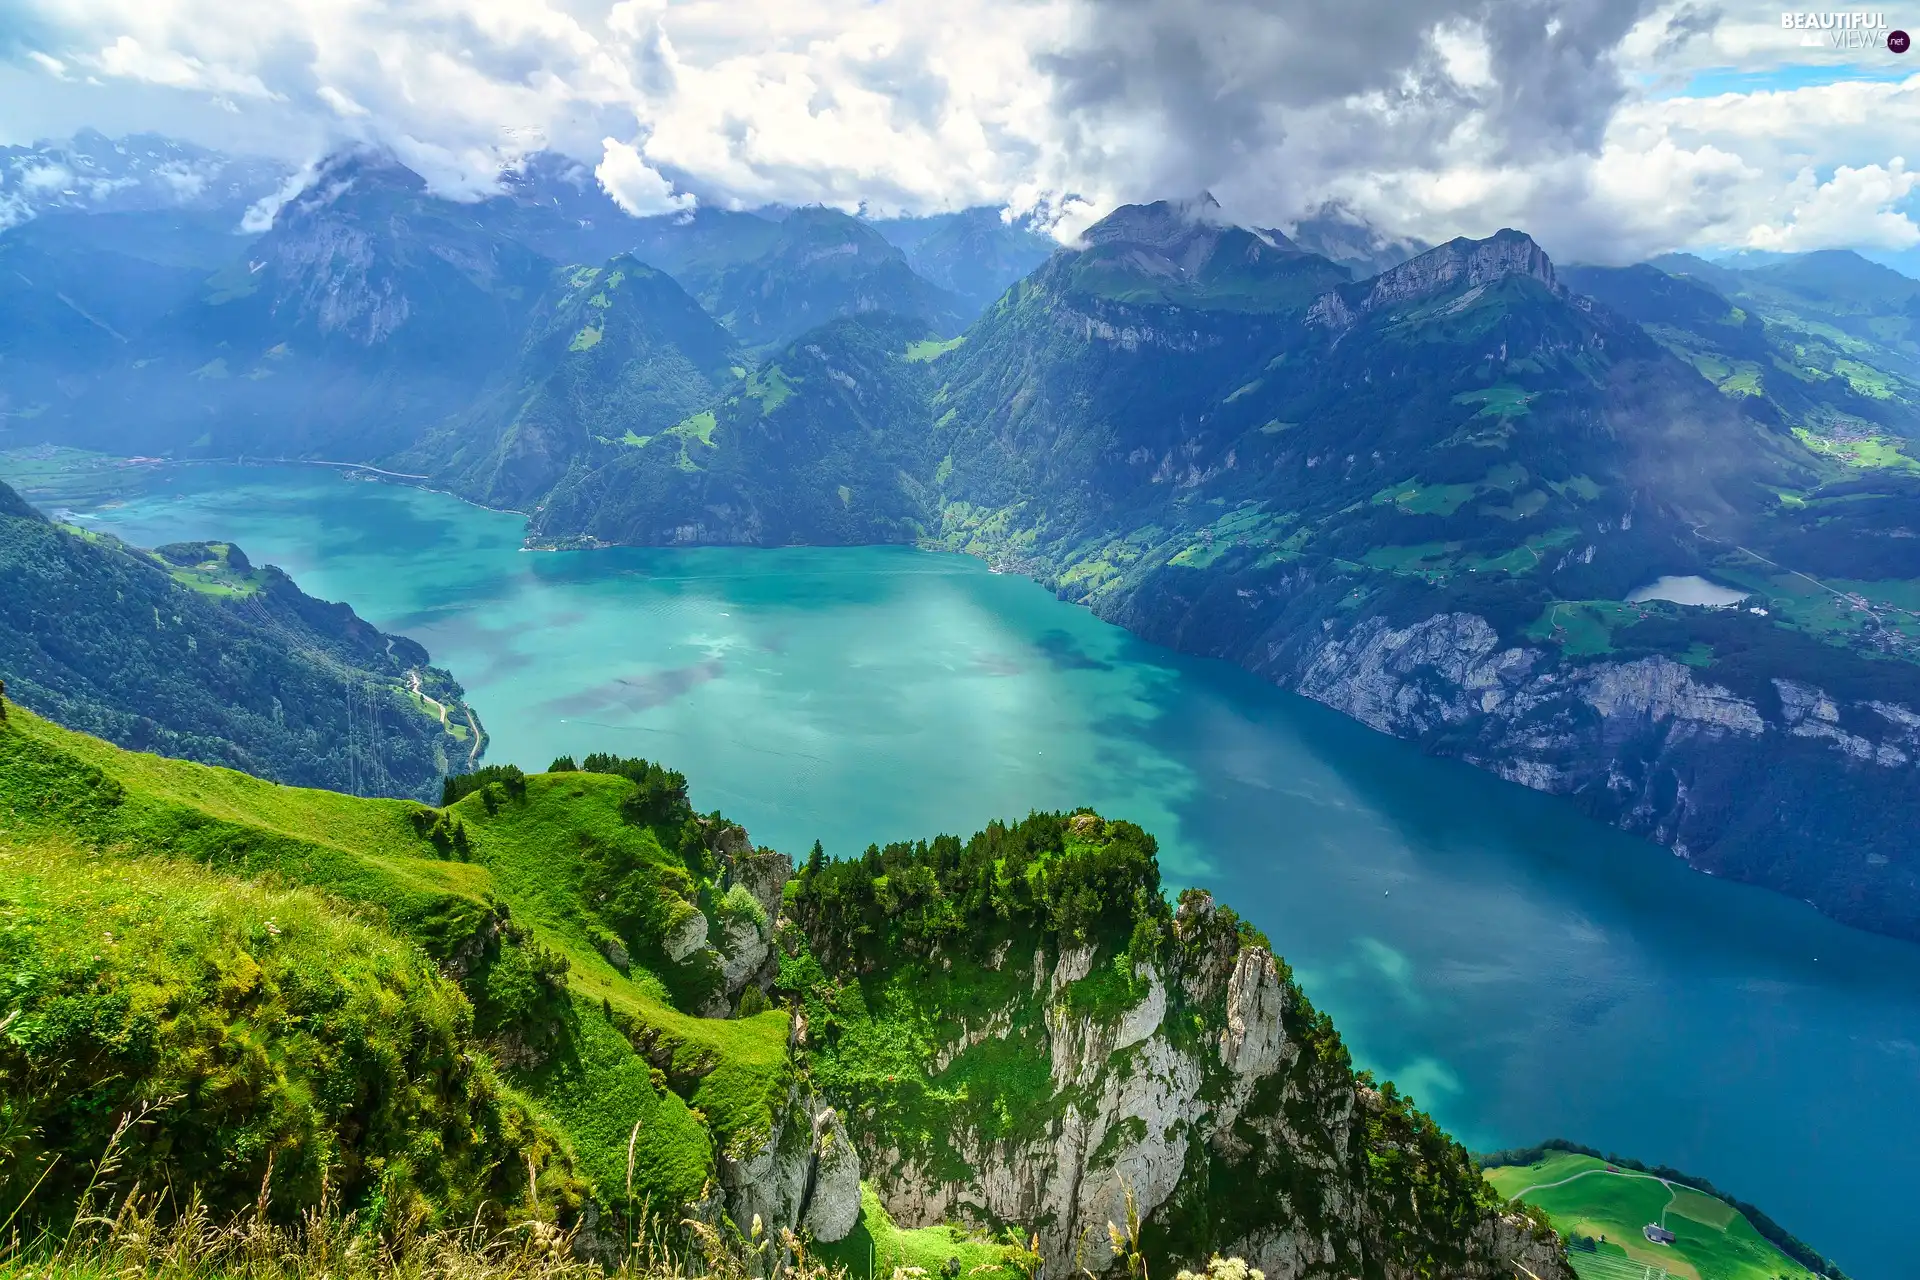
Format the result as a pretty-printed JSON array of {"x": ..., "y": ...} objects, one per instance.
[
  {"x": 1460, "y": 492},
  {"x": 140, "y": 173}
]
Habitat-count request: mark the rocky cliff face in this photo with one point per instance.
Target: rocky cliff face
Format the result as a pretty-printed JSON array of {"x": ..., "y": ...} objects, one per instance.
[
  {"x": 805, "y": 1173},
  {"x": 1207, "y": 1088},
  {"x": 1652, "y": 745},
  {"x": 1743, "y": 767},
  {"x": 1462, "y": 262}
]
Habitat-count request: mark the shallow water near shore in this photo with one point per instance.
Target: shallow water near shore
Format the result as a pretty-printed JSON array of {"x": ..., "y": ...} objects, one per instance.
[{"x": 1523, "y": 972}]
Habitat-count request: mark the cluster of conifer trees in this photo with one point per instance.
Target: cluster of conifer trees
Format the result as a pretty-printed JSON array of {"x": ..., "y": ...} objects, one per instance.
[{"x": 1071, "y": 875}]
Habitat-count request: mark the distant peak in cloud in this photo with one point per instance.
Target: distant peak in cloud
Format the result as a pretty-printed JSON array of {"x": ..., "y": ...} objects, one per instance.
[
  {"x": 635, "y": 185},
  {"x": 1421, "y": 121},
  {"x": 90, "y": 172}
]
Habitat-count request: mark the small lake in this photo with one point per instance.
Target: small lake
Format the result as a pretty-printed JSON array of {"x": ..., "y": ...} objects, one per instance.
[
  {"x": 1523, "y": 972},
  {"x": 1688, "y": 590}
]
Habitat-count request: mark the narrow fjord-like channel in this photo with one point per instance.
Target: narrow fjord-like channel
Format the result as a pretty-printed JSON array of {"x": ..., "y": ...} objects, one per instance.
[{"x": 1521, "y": 971}]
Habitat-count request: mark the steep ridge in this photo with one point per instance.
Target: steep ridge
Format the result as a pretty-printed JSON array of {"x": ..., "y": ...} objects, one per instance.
[
  {"x": 1186, "y": 254},
  {"x": 596, "y": 1020},
  {"x": 1019, "y": 1029},
  {"x": 1089, "y": 386},
  {"x": 77, "y": 290},
  {"x": 613, "y": 354},
  {"x": 975, "y": 254},
  {"x": 191, "y": 651},
  {"x": 369, "y": 309},
  {"x": 696, "y": 247},
  {"x": 1422, "y": 498},
  {"x": 1473, "y": 264}
]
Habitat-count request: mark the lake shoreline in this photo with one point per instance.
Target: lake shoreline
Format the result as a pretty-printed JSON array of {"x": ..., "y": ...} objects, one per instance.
[{"x": 1504, "y": 959}]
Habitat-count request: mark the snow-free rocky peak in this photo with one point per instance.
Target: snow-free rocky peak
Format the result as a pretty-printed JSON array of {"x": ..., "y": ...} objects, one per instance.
[
  {"x": 1458, "y": 264},
  {"x": 1177, "y": 237}
]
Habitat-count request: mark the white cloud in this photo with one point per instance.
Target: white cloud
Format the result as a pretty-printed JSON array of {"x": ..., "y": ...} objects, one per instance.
[
  {"x": 638, "y": 189},
  {"x": 127, "y": 58},
  {"x": 260, "y": 214},
  {"x": 51, "y": 65},
  {"x": 1854, "y": 208},
  {"x": 44, "y": 179},
  {"x": 184, "y": 181},
  {"x": 1575, "y": 119},
  {"x": 341, "y": 103}
]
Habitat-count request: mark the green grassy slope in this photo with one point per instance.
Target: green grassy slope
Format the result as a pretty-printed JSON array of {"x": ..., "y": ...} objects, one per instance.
[
  {"x": 1587, "y": 1197},
  {"x": 558, "y": 1017},
  {"x": 194, "y": 651},
  {"x": 280, "y": 1041},
  {"x": 878, "y": 1246}
]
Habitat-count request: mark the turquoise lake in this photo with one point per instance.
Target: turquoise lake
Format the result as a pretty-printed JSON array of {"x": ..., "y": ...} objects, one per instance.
[{"x": 1523, "y": 972}]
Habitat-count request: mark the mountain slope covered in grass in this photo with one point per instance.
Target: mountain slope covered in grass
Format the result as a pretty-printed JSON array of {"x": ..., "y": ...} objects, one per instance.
[
  {"x": 566, "y": 995},
  {"x": 806, "y": 448},
  {"x": 1424, "y": 498},
  {"x": 193, "y": 651},
  {"x": 1825, "y": 345},
  {"x": 613, "y": 355}
]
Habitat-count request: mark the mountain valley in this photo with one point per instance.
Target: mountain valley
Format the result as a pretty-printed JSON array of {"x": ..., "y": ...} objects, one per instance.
[
  {"x": 1424, "y": 497},
  {"x": 1461, "y": 494}
]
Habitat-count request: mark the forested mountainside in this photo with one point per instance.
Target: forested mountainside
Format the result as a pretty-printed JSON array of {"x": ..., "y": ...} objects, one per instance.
[
  {"x": 807, "y": 448},
  {"x": 1427, "y": 497},
  {"x": 191, "y": 651},
  {"x": 1423, "y": 498},
  {"x": 563, "y": 996},
  {"x": 613, "y": 357}
]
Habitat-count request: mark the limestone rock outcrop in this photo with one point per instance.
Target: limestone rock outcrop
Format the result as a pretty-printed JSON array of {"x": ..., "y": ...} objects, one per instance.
[{"x": 1209, "y": 1093}]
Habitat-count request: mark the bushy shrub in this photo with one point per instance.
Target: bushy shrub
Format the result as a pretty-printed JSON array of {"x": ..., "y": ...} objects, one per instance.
[
  {"x": 737, "y": 905},
  {"x": 510, "y": 779},
  {"x": 1070, "y": 875}
]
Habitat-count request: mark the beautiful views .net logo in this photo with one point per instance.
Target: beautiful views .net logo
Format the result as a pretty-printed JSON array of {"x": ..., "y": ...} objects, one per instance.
[{"x": 1846, "y": 31}]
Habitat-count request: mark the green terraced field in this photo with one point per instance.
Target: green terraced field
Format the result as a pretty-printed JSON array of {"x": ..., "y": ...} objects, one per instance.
[{"x": 1587, "y": 1197}]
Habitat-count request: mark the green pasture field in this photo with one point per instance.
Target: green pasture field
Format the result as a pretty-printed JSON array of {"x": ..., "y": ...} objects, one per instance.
[{"x": 1588, "y": 1198}]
